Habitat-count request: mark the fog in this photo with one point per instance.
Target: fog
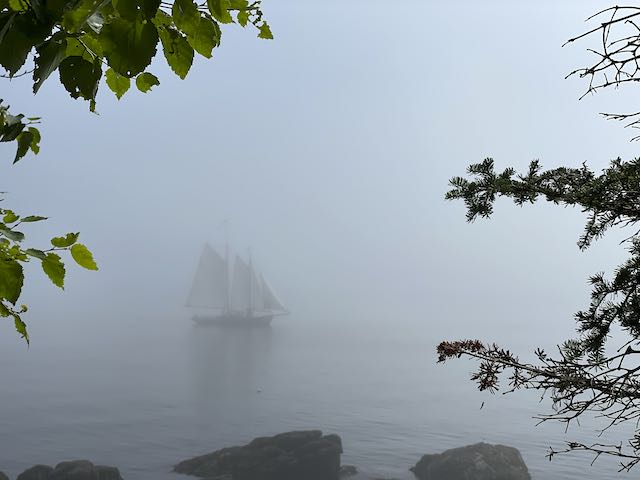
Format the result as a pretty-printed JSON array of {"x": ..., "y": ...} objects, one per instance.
[{"x": 329, "y": 150}]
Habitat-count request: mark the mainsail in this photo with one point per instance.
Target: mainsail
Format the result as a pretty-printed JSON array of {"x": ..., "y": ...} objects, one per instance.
[
  {"x": 210, "y": 284},
  {"x": 241, "y": 286}
]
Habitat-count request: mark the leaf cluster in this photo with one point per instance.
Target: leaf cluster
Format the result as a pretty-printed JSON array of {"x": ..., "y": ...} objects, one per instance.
[
  {"x": 85, "y": 41},
  {"x": 19, "y": 129},
  {"x": 13, "y": 255}
]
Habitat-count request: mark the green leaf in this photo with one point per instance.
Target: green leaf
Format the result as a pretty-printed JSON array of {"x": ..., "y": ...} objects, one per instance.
[
  {"x": 150, "y": 8},
  {"x": 206, "y": 37},
  {"x": 11, "y": 234},
  {"x": 16, "y": 253},
  {"x": 220, "y": 10},
  {"x": 243, "y": 17},
  {"x": 54, "y": 268},
  {"x": 239, "y": 4},
  {"x": 80, "y": 77},
  {"x": 118, "y": 84},
  {"x": 265, "y": 31},
  {"x": 186, "y": 16},
  {"x": 75, "y": 18},
  {"x": 50, "y": 54},
  {"x": 56, "y": 7},
  {"x": 35, "y": 142},
  {"x": 18, "y": 5},
  {"x": 11, "y": 279},
  {"x": 86, "y": 46},
  {"x": 40, "y": 9},
  {"x": 11, "y": 128},
  {"x": 129, "y": 46},
  {"x": 4, "y": 311},
  {"x": 203, "y": 33},
  {"x": 83, "y": 257},
  {"x": 10, "y": 217},
  {"x": 21, "y": 327},
  {"x": 177, "y": 51},
  {"x": 162, "y": 19},
  {"x": 32, "y": 252},
  {"x": 66, "y": 241},
  {"x": 24, "y": 142},
  {"x": 20, "y": 33},
  {"x": 127, "y": 8},
  {"x": 145, "y": 81},
  {"x": 136, "y": 9},
  {"x": 33, "y": 218},
  {"x": 6, "y": 20}
]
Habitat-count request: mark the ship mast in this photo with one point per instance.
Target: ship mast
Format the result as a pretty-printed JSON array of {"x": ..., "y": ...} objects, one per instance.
[
  {"x": 251, "y": 293},
  {"x": 227, "y": 297}
]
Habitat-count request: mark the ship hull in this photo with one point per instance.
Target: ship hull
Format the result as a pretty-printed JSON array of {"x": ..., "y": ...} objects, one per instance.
[{"x": 235, "y": 321}]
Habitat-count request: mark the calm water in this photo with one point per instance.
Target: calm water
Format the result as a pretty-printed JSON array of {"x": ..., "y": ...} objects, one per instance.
[{"x": 143, "y": 397}]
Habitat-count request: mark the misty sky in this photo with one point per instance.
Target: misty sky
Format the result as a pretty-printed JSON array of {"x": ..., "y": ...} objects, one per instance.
[{"x": 329, "y": 149}]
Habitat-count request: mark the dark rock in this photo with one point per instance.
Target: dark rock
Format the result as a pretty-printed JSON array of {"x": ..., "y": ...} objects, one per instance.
[
  {"x": 347, "y": 471},
  {"x": 473, "y": 462},
  {"x": 3, "y": 476},
  {"x": 38, "y": 472},
  {"x": 287, "y": 441},
  {"x": 335, "y": 439},
  {"x": 107, "y": 473},
  {"x": 296, "y": 455},
  {"x": 74, "y": 470}
]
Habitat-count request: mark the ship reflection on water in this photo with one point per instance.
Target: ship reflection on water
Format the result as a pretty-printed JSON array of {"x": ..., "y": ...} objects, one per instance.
[{"x": 230, "y": 367}]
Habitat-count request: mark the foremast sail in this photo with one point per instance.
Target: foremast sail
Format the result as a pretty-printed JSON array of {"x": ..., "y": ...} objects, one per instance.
[{"x": 210, "y": 284}]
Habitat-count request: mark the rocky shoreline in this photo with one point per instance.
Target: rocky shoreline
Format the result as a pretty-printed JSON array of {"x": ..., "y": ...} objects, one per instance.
[{"x": 306, "y": 455}]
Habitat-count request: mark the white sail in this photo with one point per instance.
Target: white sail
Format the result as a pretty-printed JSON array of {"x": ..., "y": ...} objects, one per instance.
[
  {"x": 210, "y": 284},
  {"x": 269, "y": 298},
  {"x": 241, "y": 286}
]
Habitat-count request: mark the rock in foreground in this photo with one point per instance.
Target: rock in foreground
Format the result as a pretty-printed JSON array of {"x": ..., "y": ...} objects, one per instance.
[
  {"x": 473, "y": 462},
  {"x": 75, "y": 470},
  {"x": 296, "y": 455}
]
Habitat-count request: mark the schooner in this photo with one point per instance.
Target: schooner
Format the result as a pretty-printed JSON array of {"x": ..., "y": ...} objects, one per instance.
[{"x": 232, "y": 293}]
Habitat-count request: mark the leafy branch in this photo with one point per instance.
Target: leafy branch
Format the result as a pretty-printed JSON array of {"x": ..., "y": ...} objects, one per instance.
[
  {"x": 584, "y": 377},
  {"x": 13, "y": 255},
  {"x": 610, "y": 388}
]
